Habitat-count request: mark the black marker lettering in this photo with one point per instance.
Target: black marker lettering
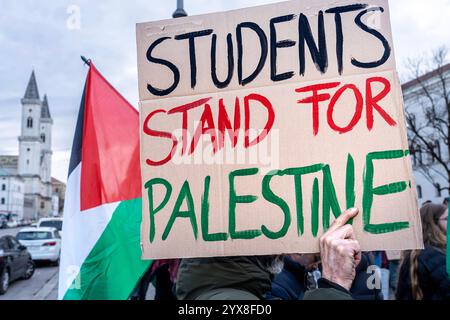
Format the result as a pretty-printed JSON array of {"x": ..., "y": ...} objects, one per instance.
[
  {"x": 339, "y": 33},
  {"x": 193, "y": 60},
  {"x": 274, "y": 45},
  {"x": 263, "y": 44},
  {"x": 375, "y": 33},
  {"x": 222, "y": 84},
  {"x": 176, "y": 73},
  {"x": 319, "y": 53}
]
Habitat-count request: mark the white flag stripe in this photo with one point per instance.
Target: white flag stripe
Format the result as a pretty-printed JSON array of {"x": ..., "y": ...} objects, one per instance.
[{"x": 81, "y": 231}]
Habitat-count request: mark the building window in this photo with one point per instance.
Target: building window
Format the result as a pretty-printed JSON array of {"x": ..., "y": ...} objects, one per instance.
[
  {"x": 3, "y": 201},
  {"x": 43, "y": 137},
  {"x": 437, "y": 146},
  {"x": 419, "y": 155},
  {"x": 3, "y": 187},
  {"x": 57, "y": 190},
  {"x": 419, "y": 192},
  {"x": 28, "y": 162},
  {"x": 30, "y": 122},
  {"x": 438, "y": 190},
  {"x": 28, "y": 149},
  {"x": 412, "y": 151},
  {"x": 42, "y": 205}
]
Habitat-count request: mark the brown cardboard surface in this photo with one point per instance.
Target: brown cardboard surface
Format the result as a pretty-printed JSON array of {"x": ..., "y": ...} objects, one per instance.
[
  {"x": 394, "y": 255},
  {"x": 273, "y": 212}
]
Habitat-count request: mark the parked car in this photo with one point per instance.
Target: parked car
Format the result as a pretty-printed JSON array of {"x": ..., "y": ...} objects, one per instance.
[
  {"x": 15, "y": 262},
  {"x": 3, "y": 221},
  {"x": 51, "y": 223},
  {"x": 13, "y": 221},
  {"x": 12, "y": 224},
  {"x": 24, "y": 223},
  {"x": 43, "y": 243}
]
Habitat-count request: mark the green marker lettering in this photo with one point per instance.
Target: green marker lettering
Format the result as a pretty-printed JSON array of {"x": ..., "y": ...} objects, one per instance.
[
  {"x": 370, "y": 191},
  {"x": 235, "y": 199},
  {"x": 298, "y": 173},
  {"x": 205, "y": 217},
  {"x": 271, "y": 197},
  {"x": 315, "y": 208},
  {"x": 330, "y": 200},
  {"x": 149, "y": 185},
  {"x": 185, "y": 193}
]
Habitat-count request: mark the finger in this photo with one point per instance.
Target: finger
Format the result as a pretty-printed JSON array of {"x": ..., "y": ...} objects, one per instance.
[
  {"x": 345, "y": 232},
  {"x": 346, "y": 247},
  {"x": 354, "y": 244},
  {"x": 356, "y": 249},
  {"x": 343, "y": 219}
]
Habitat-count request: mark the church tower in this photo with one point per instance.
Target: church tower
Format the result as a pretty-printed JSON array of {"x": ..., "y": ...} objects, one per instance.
[
  {"x": 35, "y": 152},
  {"x": 30, "y": 140},
  {"x": 46, "y": 124}
]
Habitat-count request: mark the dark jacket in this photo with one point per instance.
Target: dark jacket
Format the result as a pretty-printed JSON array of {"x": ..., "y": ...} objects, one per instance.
[
  {"x": 236, "y": 278},
  {"x": 433, "y": 278},
  {"x": 290, "y": 284},
  {"x": 360, "y": 289}
]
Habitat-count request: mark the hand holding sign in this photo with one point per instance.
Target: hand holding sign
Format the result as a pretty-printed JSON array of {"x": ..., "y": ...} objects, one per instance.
[{"x": 340, "y": 251}]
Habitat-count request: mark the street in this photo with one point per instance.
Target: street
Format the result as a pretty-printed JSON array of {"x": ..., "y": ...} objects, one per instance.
[
  {"x": 43, "y": 285},
  {"x": 12, "y": 231}
]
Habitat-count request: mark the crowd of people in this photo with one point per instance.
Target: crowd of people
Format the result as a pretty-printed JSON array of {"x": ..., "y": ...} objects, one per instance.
[{"x": 340, "y": 272}]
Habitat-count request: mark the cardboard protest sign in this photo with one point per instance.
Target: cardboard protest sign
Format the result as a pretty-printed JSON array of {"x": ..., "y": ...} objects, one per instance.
[
  {"x": 260, "y": 126},
  {"x": 394, "y": 255}
]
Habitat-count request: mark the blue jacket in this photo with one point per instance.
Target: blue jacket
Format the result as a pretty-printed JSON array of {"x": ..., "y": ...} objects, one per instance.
[
  {"x": 290, "y": 284},
  {"x": 360, "y": 289},
  {"x": 433, "y": 278}
]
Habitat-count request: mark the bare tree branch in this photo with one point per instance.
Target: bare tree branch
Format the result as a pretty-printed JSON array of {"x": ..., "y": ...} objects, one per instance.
[{"x": 428, "y": 121}]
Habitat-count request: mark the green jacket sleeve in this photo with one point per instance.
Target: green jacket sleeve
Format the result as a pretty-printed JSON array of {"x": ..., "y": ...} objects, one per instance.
[
  {"x": 327, "y": 294},
  {"x": 328, "y": 291}
]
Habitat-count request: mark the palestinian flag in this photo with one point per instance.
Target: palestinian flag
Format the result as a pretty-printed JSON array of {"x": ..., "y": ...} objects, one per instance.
[{"x": 101, "y": 254}]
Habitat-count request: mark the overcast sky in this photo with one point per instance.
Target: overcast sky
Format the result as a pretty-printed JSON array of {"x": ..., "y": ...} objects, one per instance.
[{"x": 35, "y": 34}]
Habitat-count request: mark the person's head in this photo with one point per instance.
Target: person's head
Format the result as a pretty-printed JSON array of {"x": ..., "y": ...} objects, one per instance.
[
  {"x": 426, "y": 202},
  {"x": 270, "y": 263},
  {"x": 434, "y": 224},
  {"x": 443, "y": 221},
  {"x": 434, "y": 228}
]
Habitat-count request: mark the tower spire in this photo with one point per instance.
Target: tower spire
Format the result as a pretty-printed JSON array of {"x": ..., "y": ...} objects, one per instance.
[
  {"x": 45, "y": 111},
  {"x": 32, "y": 92}
]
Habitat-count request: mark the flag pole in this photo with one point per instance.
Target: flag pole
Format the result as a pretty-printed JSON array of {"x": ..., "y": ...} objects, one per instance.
[
  {"x": 86, "y": 61},
  {"x": 180, "y": 12}
]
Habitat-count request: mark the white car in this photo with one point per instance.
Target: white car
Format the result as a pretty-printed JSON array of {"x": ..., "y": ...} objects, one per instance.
[
  {"x": 42, "y": 243},
  {"x": 51, "y": 223},
  {"x": 12, "y": 224}
]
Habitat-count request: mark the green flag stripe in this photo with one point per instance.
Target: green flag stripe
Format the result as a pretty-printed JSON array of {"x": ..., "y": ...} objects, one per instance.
[{"x": 114, "y": 266}]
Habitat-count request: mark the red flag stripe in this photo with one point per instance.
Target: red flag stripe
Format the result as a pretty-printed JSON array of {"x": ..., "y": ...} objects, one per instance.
[{"x": 110, "y": 148}]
